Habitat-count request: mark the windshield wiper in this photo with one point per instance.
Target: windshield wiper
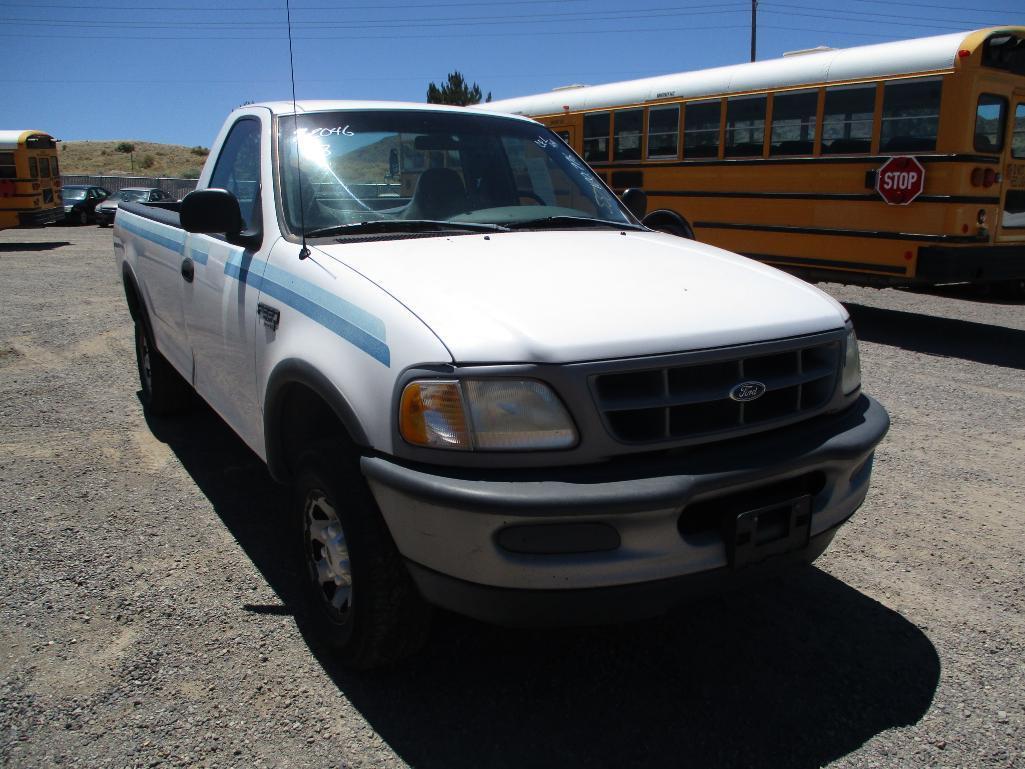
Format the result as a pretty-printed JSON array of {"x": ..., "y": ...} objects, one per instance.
[
  {"x": 404, "y": 225},
  {"x": 560, "y": 222}
]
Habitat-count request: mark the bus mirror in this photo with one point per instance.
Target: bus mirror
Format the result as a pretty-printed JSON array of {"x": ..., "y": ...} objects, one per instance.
[{"x": 636, "y": 201}]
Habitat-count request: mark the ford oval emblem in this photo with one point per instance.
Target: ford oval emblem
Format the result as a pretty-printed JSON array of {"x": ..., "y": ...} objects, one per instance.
[{"x": 747, "y": 391}]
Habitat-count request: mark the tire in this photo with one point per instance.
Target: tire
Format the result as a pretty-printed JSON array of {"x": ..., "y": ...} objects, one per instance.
[
  {"x": 680, "y": 231},
  {"x": 360, "y": 595},
  {"x": 83, "y": 218},
  {"x": 164, "y": 392}
]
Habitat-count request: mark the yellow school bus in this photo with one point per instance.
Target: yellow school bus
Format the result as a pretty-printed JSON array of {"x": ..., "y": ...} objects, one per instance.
[
  {"x": 894, "y": 164},
  {"x": 30, "y": 182}
]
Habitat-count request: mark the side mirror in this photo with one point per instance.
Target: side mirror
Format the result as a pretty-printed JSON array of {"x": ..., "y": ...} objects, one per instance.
[
  {"x": 211, "y": 211},
  {"x": 636, "y": 201}
]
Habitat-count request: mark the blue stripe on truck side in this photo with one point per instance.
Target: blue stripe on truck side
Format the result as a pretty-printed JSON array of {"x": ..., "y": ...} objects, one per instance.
[
  {"x": 352, "y": 323},
  {"x": 168, "y": 237}
]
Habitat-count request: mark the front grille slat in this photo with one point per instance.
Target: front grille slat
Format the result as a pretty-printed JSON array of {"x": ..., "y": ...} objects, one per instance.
[{"x": 692, "y": 400}]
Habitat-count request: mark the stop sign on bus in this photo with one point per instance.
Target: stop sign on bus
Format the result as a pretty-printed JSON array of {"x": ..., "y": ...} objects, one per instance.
[{"x": 900, "y": 180}]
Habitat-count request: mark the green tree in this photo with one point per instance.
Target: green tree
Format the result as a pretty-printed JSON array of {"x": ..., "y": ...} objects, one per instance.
[
  {"x": 127, "y": 148},
  {"x": 455, "y": 91}
]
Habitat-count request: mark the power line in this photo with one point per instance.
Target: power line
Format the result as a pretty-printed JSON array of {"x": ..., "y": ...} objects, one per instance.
[
  {"x": 459, "y": 35},
  {"x": 248, "y": 8},
  {"x": 389, "y": 24},
  {"x": 844, "y": 16},
  {"x": 951, "y": 25}
]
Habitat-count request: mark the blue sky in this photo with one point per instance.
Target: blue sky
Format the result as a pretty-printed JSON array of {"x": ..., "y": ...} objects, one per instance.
[{"x": 170, "y": 70}]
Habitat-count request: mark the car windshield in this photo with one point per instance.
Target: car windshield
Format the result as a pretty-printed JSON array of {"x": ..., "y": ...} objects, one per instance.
[
  {"x": 128, "y": 196},
  {"x": 73, "y": 193},
  {"x": 443, "y": 169}
]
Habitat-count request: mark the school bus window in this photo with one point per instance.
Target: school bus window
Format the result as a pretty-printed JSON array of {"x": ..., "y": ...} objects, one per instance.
[
  {"x": 33, "y": 168},
  {"x": 596, "y": 136},
  {"x": 793, "y": 123},
  {"x": 626, "y": 144},
  {"x": 989, "y": 123},
  {"x": 664, "y": 132},
  {"x": 7, "y": 170},
  {"x": 847, "y": 119},
  {"x": 1018, "y": 132},
  {"x": 911, "y": 115},
  {"x": 44, "y": 167},
  {"x": 745, "y": 126},
  {"x": 701, "y": 129},
  {"x": 53, "y": 165}
]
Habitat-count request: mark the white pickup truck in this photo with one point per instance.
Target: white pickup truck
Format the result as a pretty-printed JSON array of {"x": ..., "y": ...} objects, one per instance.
[{"x": 492, "y": 388}]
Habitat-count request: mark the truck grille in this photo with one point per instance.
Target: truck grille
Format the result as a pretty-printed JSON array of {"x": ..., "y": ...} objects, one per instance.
[{"x": 693, "y": 400}]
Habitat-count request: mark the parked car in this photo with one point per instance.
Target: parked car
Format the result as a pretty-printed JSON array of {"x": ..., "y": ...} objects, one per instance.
[
  {"x": 105, "y": 211},
  {"x": 80, "y": 201}
]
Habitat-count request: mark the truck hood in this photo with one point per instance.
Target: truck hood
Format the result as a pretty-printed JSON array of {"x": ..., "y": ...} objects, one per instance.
[{"x": 559, "y": 297}]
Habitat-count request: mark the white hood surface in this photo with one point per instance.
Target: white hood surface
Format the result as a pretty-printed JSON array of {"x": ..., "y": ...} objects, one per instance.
[{"x": 560, "y": 297}]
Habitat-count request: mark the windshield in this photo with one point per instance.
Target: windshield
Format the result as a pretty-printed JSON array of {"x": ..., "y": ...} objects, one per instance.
[
  {"x": 438, "y": 167},
  {"x": 128, "y": 196},
  {"x": 71, "y": 193}
]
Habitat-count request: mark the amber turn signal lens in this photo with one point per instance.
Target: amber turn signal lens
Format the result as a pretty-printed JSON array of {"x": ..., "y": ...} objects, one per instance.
[{"x": 431, "y": 414}]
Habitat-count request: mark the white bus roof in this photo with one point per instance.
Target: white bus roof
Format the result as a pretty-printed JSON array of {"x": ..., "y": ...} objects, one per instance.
[
  {"x": 9, "y": 140},
  {"x": 904, "y": 57}
]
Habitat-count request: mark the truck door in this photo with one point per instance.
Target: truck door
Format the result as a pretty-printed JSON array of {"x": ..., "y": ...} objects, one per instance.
[{"x": 220, "y": 300}]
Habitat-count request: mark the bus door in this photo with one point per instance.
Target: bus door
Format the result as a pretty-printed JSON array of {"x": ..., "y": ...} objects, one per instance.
[{"x": 1012, "y": 214}]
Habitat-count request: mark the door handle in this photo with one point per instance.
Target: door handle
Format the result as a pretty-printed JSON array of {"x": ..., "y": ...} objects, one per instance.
[{"x": 188, "y": 270}]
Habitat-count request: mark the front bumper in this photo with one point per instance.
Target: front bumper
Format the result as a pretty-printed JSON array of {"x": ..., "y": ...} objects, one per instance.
[
  {"x": 621, "y": 539},
  {"x": 104, "y": 216}
]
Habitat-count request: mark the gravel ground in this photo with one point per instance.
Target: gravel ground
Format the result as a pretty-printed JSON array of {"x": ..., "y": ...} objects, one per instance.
[{"x": 147, "y": 611}]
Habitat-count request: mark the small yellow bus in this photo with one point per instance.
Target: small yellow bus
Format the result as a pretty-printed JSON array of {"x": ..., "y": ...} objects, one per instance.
[
  {"x": 893, "y": 164},
  {"x": 30, "y": 182}
]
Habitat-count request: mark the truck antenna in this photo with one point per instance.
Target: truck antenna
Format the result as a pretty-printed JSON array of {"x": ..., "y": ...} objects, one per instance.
[{"x": 304, "y": 251}]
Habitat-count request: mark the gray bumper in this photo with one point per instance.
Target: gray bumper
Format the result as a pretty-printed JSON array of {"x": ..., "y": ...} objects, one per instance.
[{"x": 449, "y": 523}]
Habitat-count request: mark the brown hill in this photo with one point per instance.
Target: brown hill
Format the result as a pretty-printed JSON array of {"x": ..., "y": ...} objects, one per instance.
[{"x": 147, "y": 158}]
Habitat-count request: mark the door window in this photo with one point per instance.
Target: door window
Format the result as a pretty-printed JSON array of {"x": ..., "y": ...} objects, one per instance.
[
  {"x": 989, "y": 123},
  {"x": 238, "y": 168},
  {"x": 1018, "y": 132}
]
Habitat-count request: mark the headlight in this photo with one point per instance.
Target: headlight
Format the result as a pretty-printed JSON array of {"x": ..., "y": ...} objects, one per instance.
[
  {"x": 68, "y": 208},
  {"x": 484, "y": 414},
  {"x": 852, "y": 365}
]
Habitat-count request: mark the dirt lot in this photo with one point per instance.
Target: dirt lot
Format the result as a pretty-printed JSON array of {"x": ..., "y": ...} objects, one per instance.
[{"x": 147, "y": 614}]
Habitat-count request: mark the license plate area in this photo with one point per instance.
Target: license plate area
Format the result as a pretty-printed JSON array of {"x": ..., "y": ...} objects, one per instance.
[{"x": 754, "y": 535}]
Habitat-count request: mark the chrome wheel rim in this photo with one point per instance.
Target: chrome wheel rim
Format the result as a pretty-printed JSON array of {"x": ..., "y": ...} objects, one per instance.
[{"x": 327, "y": 555}]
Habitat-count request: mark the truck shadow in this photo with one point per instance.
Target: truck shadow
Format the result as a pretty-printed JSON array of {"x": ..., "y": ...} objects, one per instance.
[
  {"x": 796, "y": 673},
  {"x": 14, "y": 248},
  {"x": 946, "y": 337}
]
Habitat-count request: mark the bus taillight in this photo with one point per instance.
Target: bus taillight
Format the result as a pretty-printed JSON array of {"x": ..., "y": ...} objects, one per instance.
[{"x": 984, "y": 178}]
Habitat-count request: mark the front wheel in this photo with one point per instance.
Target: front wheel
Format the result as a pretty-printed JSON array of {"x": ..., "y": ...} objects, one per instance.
[
  {"x": 83, "y": 218},
  {"x": 361, "y": 597},
  {"x": 164, "y": 392}
]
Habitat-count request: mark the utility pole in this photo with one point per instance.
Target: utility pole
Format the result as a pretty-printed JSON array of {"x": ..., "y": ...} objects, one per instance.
[{"x": 754, "y": 28}]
